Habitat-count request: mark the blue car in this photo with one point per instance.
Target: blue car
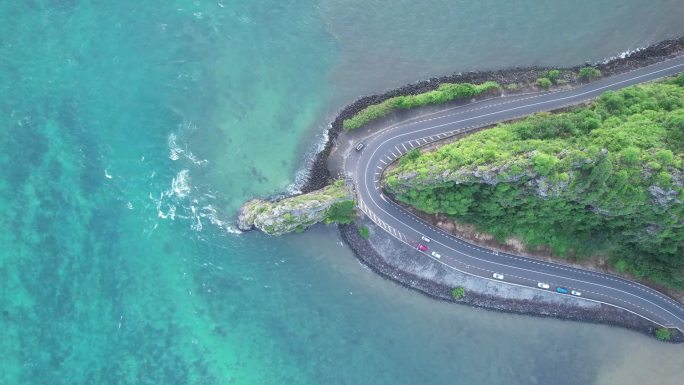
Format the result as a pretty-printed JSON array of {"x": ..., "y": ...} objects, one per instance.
[{"x": 562, "y": 290}]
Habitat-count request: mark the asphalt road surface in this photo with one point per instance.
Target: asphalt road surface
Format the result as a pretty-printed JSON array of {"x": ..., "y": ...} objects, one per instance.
[{"x": 365, "y": 167}]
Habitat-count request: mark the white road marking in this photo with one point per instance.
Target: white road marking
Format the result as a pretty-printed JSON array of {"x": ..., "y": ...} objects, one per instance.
[{"x": 548, "y": 101}]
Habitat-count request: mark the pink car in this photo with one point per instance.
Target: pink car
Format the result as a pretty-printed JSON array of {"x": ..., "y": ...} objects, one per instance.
[{"x": 421, "y": 247}]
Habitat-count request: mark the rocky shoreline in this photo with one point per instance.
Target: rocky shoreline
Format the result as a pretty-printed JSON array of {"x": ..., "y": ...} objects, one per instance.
[{"x": 319, "y": 176}]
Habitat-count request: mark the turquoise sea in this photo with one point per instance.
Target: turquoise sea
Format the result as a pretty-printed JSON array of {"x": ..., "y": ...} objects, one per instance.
[{"x": 133, "y": 130}]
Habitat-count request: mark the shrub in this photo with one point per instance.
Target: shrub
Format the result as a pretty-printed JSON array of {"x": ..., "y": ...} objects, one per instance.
[
  {"x": 364, "y": 232},
  {"x": 457, "y": 292},
  {"x": 341, "y": 212},
  {"x": 544, "y": 83},
  {"x": 589, "y": 73},
  {"x": 553, "y": 75},
  {"x": 663, "y": 334}
]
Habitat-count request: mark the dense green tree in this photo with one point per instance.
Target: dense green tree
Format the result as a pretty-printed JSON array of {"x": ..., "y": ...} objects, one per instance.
[{"x": 341, "y": 212}]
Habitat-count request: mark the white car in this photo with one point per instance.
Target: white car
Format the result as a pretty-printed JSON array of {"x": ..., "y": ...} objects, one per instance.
[
  {"x": 543, "y": 285},
  {"x": 577, "y": 293},
  {"x": 497, "y": 276},
  {"x": 436, "y": 255},
  {"x": 426, "y": 239}
]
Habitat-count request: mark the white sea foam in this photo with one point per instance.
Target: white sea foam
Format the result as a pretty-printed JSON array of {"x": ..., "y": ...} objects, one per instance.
[
  {"x": 181, "y": 201},
  {"x": 623, "y": 54},
  {"x": 180, "y": 185},
  {"x": 176, "y": 151},
  {"x": 169, "y": 199},
  {"x": 302, "y": 175}
]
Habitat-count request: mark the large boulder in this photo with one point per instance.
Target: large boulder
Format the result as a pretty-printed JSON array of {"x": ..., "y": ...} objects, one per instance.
[{"x": 294, "y": 213}]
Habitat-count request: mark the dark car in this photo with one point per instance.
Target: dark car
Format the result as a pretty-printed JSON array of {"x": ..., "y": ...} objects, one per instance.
[
  {"x": 562, "y": 290},
  {"x": 421, "y": 247},
  {"x": 359, "y": 146}
]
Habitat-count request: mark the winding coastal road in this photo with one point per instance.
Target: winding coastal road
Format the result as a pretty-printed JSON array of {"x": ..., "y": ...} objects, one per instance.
[{"x": 366, "y": 167}]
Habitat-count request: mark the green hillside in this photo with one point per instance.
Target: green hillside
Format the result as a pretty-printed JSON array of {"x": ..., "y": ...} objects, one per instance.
[{"x": 606, "y": 179}]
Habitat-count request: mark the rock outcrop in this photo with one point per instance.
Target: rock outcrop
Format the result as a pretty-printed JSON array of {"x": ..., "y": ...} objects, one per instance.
[{"x": 294, "y": 213}]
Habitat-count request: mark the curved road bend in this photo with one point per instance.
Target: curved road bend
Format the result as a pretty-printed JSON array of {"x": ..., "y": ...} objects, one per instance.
[{"x": 366, "y": 168}]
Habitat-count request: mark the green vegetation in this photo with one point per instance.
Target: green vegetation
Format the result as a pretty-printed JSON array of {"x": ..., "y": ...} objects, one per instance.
[
  {"x": 663, "y": 334},
  {"x": 364, "y": 232},
  {"x": 341, "y": 212},
  {"x": 544, "y": 83},
  {"x": 550, "y": 78},
  {"x": 295, "y": 214},
  {"x": 512, "y": 86},
  {"x": 553, "y": 76},
  {"x": 601, "y": 180},
  {"x": 589, "y": 73},
  {"x": 444, "y": 93},
  {"x": 457, "y": 292}
]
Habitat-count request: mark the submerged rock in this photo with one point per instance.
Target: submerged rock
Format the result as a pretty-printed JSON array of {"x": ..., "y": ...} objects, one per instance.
[{"x": 294, "y": 213}]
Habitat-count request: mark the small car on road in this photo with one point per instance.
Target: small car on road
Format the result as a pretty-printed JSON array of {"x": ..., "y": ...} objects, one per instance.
[
  {"x": 575, "y": 292},
  {"x": 436, "y": 255},
  {"x": 426, "y": 239},
  {"x": 421, "y": 247},
  {"x": 498, "y": 276},
  {"x": 562, "y": 290},
  {"x": 543, "y": 285},
  {"x": 360, "y": 146}
]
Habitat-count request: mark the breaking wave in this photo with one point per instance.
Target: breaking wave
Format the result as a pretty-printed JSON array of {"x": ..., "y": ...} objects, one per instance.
[
  {"x": 623, "y": 54},
  {"x": 177, "y": 152},
  {"x": 302, "y": 175},
  {"x": 184, "y": 201}
]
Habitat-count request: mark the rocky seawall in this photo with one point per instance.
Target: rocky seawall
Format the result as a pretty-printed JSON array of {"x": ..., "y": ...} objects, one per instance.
[
  {"x": 393, "y": 260},
  {"x": 407, "y": 274}
]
